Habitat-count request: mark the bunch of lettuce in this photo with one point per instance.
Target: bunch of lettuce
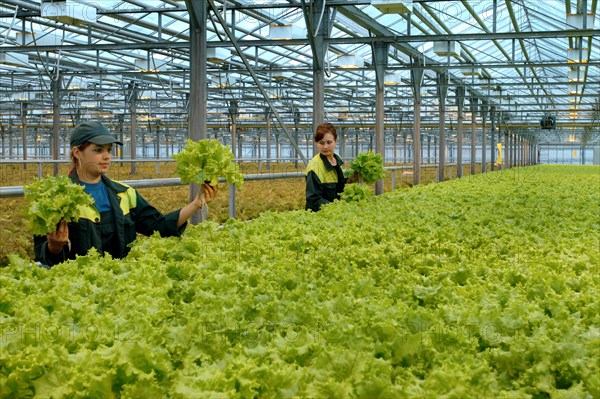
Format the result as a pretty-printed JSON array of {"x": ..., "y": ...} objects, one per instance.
[
  {"x": 355, "y": 193},
  {"x": 369, "y": 167},
  {"x": 51, "y": 200},
  {"x": 482, "y": 287},
  {"x": 205, "y": 161}
]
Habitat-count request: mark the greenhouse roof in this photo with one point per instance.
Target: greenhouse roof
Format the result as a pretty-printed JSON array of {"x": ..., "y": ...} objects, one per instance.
[{"x": 528, "y": 60}]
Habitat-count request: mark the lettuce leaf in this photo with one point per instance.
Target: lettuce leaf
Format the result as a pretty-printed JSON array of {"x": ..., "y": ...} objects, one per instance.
[
  {"x": 369, "y": 166},
  {"x": 205, "y": 161},
  {"x": 355, "y": 193},
  {"x": 51, "y": 200}
]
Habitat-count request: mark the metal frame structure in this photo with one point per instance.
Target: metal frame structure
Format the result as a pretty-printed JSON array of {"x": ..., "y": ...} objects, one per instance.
[{"x": 169, "y": 70}]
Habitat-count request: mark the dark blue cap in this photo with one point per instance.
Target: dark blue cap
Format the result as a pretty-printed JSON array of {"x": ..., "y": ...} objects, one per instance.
[{"x": 94, "y": 132}]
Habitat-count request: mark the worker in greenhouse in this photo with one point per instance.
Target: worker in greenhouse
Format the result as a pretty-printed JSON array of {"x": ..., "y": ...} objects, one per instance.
[
  {"x": 119, "y": 211},
  {"x": 325, "y": 179}
]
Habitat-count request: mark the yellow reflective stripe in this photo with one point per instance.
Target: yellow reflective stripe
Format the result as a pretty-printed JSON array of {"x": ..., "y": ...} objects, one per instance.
[
  {"x": 128, "y": 199},
  {"x": 89, "y": 212},
  {"x": 325, "y": 176}
]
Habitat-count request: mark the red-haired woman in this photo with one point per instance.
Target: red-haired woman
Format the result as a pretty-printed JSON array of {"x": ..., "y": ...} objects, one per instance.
[{"x": 324, "y": 176}]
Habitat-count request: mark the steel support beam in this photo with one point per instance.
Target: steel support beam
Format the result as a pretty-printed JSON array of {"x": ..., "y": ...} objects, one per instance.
[
  {"x": 380, "y": 57},
  {"x": 473, "y": 133},
  {"x": 460, "y": 103},
  {"x": 197, "y": 111},
  {"x": 268, "y": 120},
  {"x": 484, "y": 111},
  {"x": 492, "y": 137},
  {"x": 387, "y": 38},
  {"x": 55, "y": 86},
  {"x": 133, "y": 99},
  {"x": 416, "y": 77},
  {"x": 442, "y": 92}
]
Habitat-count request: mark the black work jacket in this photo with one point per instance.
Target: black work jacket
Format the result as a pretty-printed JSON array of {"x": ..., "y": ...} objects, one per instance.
[
  {"x": 132, "y": 214},
  {"x": 324, "y": 182}
]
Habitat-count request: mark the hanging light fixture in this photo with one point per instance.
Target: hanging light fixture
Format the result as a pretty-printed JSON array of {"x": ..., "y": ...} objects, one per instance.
[
  {"x": 350, "y": 61},
  {"x": 472, "y": 72},
  {"x": 68, "y": 12},
  {"x": 575, "y": 75},
  {"x": 285, "y": 32},
  {"x": 393, "y": 6},
  {"x": 217, "y": 55},
  {"x": 450, "y": 47},
  {"x": 574, "y": 89},
  {"x": 14, "y": 59},
  {"x": 576, "y": 21},
  {"x": 391, "y": 79},
  {"x": 21, "y": 96},
  {"x": 151, "y": 64},
  {"x": 281, "y": 75},
  {"x": 576, "y": 55}
]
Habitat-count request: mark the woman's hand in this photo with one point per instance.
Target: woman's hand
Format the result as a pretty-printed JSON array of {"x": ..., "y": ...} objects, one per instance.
[
  {"x": 203, "y": 196},
  {"x": 59, "y": 238},
  {"x": 210, "y": 192},
  {"x": 353, "y": 178},
  {"x": 206, "y": 194}
]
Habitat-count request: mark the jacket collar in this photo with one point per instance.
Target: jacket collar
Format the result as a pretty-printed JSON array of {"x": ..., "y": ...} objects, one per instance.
[
  {"x": 326, "y": 162},
  {"x": 114, "y": 186}
]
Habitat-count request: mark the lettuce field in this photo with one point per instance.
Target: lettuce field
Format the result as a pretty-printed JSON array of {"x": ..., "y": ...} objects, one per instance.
[{"x": 482, "y": 287}]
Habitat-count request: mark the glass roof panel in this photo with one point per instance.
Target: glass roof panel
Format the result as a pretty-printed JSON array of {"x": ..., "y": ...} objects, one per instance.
[{"x": 502, "y": 43}]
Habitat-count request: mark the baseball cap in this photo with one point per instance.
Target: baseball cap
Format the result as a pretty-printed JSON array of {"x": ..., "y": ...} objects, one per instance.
[{"x": 94, "y": 132}]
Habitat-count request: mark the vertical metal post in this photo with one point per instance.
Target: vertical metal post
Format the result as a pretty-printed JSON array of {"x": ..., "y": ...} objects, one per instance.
[
  {"x": 493, "y": 136},
  {"x": 380, "y": 54},
  {"x": 268, "y": 116},
  {"x": 157, "y": 146},
  {"x": 395, "y": 138},
  {"x": 506, "y": 149},
  {"x": 429, "y": 149},
  {"x": 239, "y": 136},
  {"x": 133, "y": 111},
  {"x": 296, "y": 126},
  {"x": 232, "y": 192},
  {"x": 494, "y": 15},
  {"x": 56, "y": 86},
  {"x": 24, "y": 106},
  {"x": 416, "y": 75},
  {"x": 197, "y": 109},
  {"x": 473, "y": 134},
  {"x": 484, "y": 110},
  {"x": 442, "y": 89},
  {"x": 513, "y": 150},
  {"x": 343, "y": 142},
  {"x": 460, "y": 102},
  {"x": 198, "y": 71},
  {"x": 144, "y": 149},
  {"x": 317, "y": 35},
  {"x": 121, "y": 120}
]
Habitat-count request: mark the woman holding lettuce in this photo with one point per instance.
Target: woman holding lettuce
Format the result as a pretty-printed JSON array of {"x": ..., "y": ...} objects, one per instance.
[
  {"x": 119, "y": 211},
  {"x": 325, "y": 179}
]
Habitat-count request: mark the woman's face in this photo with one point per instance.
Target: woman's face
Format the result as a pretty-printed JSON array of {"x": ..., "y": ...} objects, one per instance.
[
  {"x": 326, "y": 145},
  {"x": 93, "y": 161}
]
